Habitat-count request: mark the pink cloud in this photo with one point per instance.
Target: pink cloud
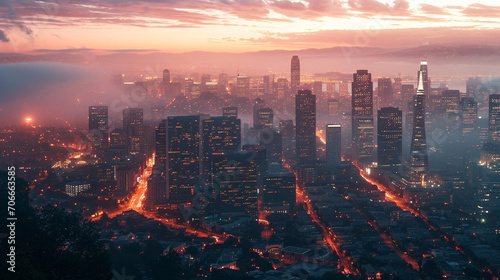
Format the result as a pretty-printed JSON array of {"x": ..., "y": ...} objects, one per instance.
[{"x": 480, "y": 10}]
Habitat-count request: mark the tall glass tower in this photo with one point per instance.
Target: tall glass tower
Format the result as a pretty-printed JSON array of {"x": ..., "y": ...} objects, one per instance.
[
  {"x": 294, "y": 75},
  {"x": 418, "y": 153}
]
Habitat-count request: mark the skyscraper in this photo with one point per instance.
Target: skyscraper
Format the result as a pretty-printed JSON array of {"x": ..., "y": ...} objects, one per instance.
[
  {"x": 287, "y": 133},
  {"x": 494, "y": 117},
  {"x": 134, "y": 129},
  {"x": 222, "y": 84},
  {"x": 317, "y": 88},
  {"x": 407, "y": 93},
  {"x": 235, "y": 174},
  {"x": 230, "y": 112},
  {"x": 305, "y": 118},
  {"x": 98, "y": 125},
  {"x": 157, "y": 191},
  {"x": 118, "y": 138},
  {"x": 468, "y": 112},
  {"x": 473, "y": 86},
  {"x": 385, "y": 95},
  {"x": 183, "y": 157},
  {"x": 220, "y": 134},
  {"x": 278, "y": 193},
  {"x": 450, "y": 101},
  {"x": 281, "y": 88},
  {"x": 243, "y": 86},
  {"x": 333, "y": 146},
  {"x": 166, "y": 82},
  {"x": 389, "y": 136},
  {"x": 264, "y": 118},
  {"x": 362, "y": 115},
  {"x": 295, "y": 75},
  {"x": 272, "y": 141},
  {"x": 418, "y": 150},
  {"x": 161, "y": 145},
  {"x": 267, "y": 85},
  {"x": 424, "y": 77}
]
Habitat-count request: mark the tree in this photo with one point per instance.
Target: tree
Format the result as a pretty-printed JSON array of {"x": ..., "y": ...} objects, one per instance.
[
  {"x": 153, "y": 249},
  {"x": 167, "y": 267},
  {"x": 52, "y": 243},
  {"x": 431, "y": 270},
  {"x": 331, "y": 275}
]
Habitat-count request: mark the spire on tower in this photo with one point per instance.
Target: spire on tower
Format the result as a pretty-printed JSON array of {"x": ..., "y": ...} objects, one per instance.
[{"x": 420, "y": 87}]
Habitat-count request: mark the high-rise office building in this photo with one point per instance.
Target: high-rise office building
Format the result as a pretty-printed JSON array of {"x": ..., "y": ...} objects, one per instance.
[
  {"x": 264, "y": 118},
  {"x": 418, "y": 149},
  {"x": 267, "y": 85},
  {"x": 473, "y": 86},
  {"x": 281, "y": 88},
  {"x": 161, "y": 145},
  {"x": 333, "y": 146},
  {"x": 98, "y": 125},
  {"x": 220, "y": 134},
  {"x": 166, "y": 82},
  {"x": 389, "y": 136},
  {"x": 468, "y": 113},
  {"x": 305, "y": 119},
  {"x": 235, "y": 174},
  {"x": 272, "y": 141},
  {"x": 243, "y": 86},
  {"x": 134, "y": 128},
  {"x": 385, "y": 94},
  {"x": 278, "y": 193},
  {"x": 362, "y": 94},
  {"x": 494, "y": 117},
  {"x": 317, "y": 88},
  {"x": 222, "y": 84},
  {"x": 362, "y": 115},
  {"x": 157, "y": 191},
  {"x": 333, "y": 108},
  {"x": 407, "y": 93},
  {"x": 450, "y": 101},
  {"x": 230, "y": 112},
  {"x": 287, "y": 133},
  {"x": 295, "y": 75},
  {"x": 424, "y": 77},
  {"x": 363, "y": 138},
  {"x": 118, "y": 138},
  {"x": 205, "y": 78},
  {"x": 184, "y": 157}
]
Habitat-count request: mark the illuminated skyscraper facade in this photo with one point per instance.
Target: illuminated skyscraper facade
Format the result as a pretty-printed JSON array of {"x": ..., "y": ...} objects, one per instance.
[
  {"x": 133, "y": 126},
  {"x": 418, "y": 150},
  {"x": 295, "y": 75},
  {"x": 468, "y": 113},
  {"x": 264, "y": 118},
  {"x": 424, "y": 77},
  {"x": 385, "y": 95},
  {"x": 184, "y": 157},
  {"x": 362, "y": 115},
  {"x": 389, "y": 136},
  {"x": 98, "y": 125},
  {"x": 333, "y": 146},
  {"x": 278, "y": 193},
  {"x": 305, "y": 114},
  {"x": 235, "y": 174},
  {"x": 220, "y": 134},
  {"x": 494, "y": 117}
]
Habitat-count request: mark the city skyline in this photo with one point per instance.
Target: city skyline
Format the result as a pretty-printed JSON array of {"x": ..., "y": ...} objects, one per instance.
[{"x": 250, "y": 139}]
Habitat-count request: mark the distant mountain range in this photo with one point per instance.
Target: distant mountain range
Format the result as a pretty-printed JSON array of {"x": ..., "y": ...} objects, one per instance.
[{"x": 312, "y": 60}]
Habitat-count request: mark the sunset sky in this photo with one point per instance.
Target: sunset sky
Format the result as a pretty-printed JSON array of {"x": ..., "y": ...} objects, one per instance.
[{"x": 243, "y": 25}]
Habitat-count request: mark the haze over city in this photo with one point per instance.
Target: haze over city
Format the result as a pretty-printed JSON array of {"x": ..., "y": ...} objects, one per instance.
[{"x": 250, "y": 139}]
